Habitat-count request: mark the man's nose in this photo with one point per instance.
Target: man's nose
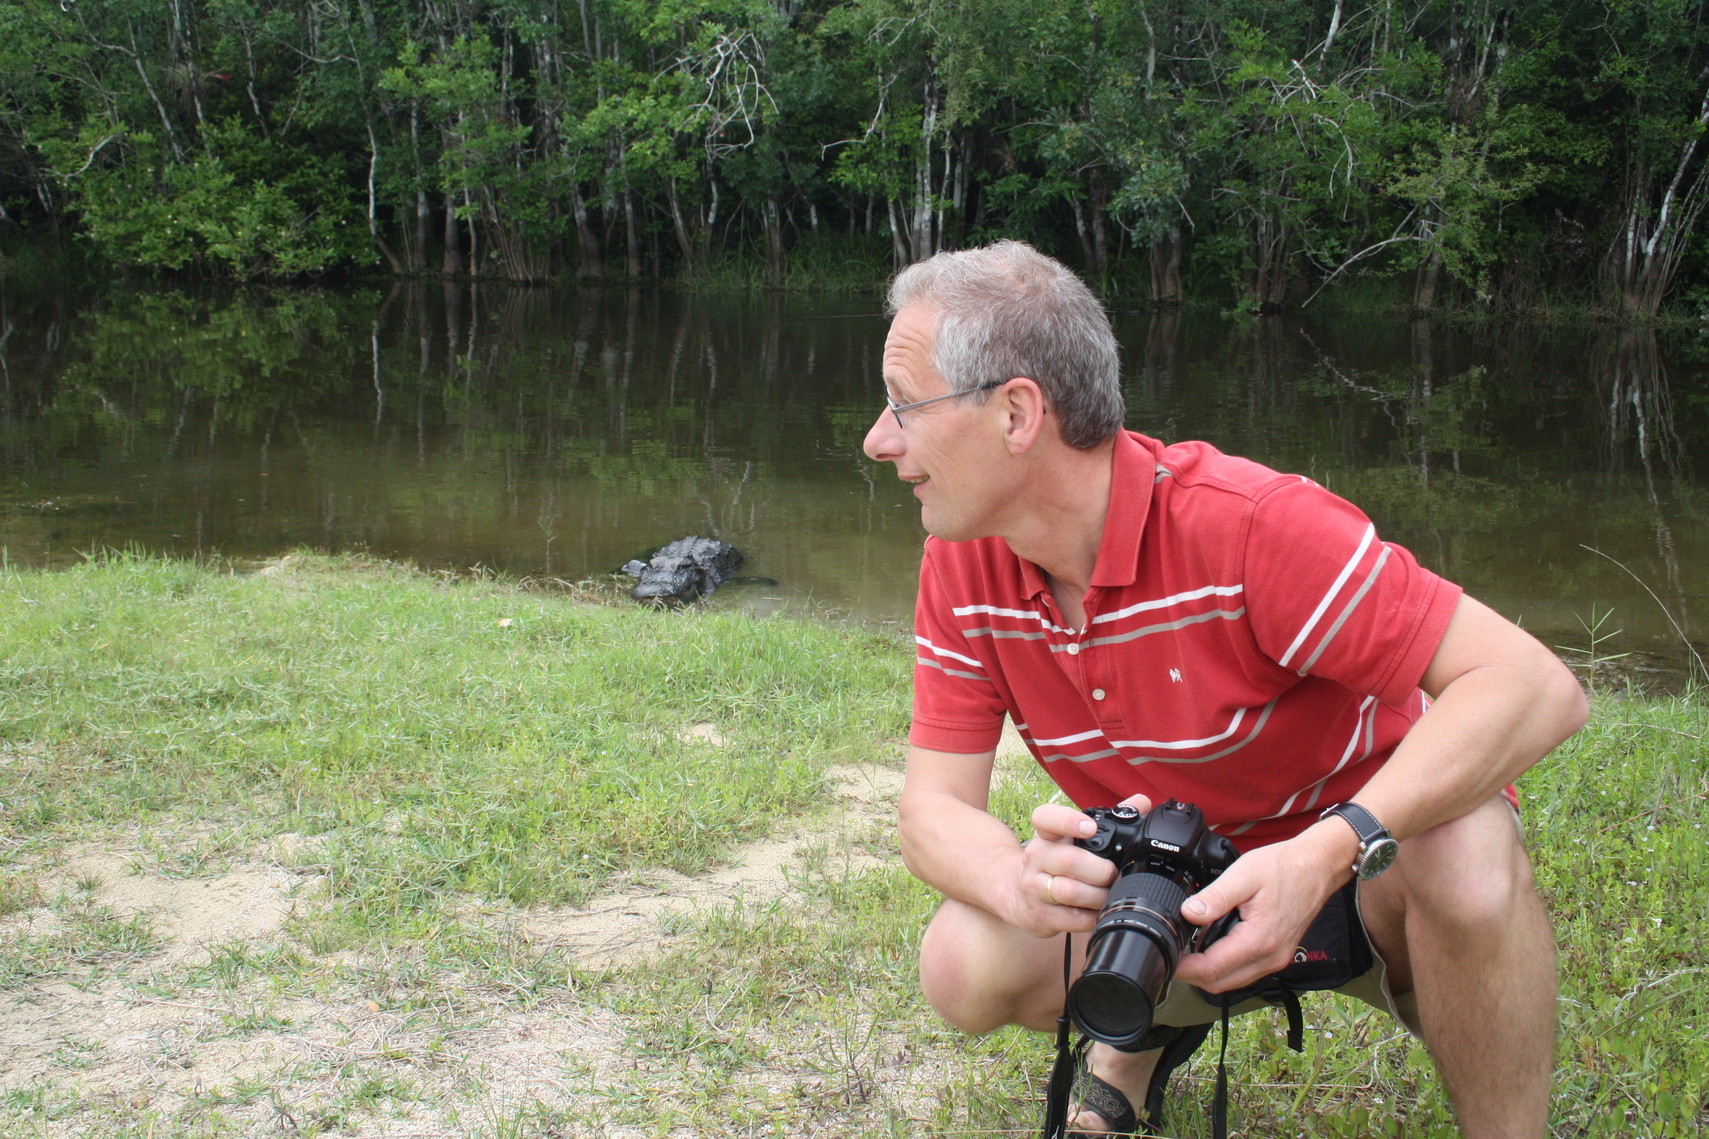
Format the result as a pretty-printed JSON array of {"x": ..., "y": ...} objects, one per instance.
[{"x": 883, "y": 439}]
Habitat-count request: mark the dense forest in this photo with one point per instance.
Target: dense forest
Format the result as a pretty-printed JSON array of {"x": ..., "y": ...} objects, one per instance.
[{"x": 1483, "y": 152}]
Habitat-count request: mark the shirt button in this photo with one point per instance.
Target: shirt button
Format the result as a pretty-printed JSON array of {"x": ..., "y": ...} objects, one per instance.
[
  {"x": 1097, "y": 693},
  {"x": 1073, "y": 648}
]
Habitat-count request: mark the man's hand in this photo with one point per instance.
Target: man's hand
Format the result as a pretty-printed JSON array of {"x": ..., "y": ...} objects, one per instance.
[
  {"x": 1060, "y": 887},
  {"x": 1278, "y": 890}
]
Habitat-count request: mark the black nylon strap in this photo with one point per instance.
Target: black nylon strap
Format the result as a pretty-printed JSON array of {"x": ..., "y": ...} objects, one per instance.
[
  {"x": 1062, "y": 1071},
  {"x": 1296, "y": 1021},
  {"x": 1061, "y": 1081},
  {"x": 1219, "y": 1101}
]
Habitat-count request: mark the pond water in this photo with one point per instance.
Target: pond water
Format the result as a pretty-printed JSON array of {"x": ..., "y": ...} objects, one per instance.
[{"x": 557, "y": 433}]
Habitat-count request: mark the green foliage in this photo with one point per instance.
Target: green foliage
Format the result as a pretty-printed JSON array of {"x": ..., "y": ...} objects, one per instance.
[
  {"x": 247, "y": 208},
  {"x": 1279, "y": 147}
]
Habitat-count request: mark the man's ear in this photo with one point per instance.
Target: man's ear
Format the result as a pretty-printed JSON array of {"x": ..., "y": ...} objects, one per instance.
[{"x": 1023, "y": 414}]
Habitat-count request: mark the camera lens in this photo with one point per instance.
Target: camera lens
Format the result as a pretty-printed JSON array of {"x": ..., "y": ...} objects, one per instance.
[
  {"x": 1133, "y": 952},
  {"x": 1115, "y": 1003}
]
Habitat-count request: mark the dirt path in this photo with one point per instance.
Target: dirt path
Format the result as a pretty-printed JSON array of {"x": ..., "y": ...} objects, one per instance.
[{"x": 176, "y": 1026}]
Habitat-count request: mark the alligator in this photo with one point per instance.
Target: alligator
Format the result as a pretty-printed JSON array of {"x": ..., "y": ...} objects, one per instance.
[{"x": 684, "y": 571}]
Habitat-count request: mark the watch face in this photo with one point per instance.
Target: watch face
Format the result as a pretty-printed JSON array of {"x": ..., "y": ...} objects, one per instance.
[{"x": 1377, "y": 857}]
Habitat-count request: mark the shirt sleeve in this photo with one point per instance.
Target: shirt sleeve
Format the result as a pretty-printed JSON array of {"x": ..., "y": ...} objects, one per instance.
[
  {"x": 957, "y": 707},
  {"x": 1327, "y": 597}
]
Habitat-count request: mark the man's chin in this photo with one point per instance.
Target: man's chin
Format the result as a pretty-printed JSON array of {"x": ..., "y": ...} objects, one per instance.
[{"x": 946, "y": 529}]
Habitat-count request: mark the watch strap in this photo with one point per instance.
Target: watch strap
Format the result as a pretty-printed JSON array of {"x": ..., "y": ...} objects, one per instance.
[
  {"x": 1377, "y": 848},
  {"x": 1364, "y": 824}
]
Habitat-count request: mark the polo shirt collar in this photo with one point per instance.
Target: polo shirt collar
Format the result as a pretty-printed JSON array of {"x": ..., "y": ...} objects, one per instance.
[{"x": 1133, "y": 472}]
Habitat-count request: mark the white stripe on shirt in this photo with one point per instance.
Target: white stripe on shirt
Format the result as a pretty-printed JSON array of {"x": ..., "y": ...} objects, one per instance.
[{"x": 1323, "y": 605}]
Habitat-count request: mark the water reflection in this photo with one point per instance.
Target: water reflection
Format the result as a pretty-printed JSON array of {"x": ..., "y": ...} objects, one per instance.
[
  {"x": 559, "y": 432},
  {"x": 1640, "y": 425}
]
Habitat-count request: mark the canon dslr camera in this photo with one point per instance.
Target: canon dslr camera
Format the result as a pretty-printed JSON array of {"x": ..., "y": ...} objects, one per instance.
[{"x": 1163, "y": 858}]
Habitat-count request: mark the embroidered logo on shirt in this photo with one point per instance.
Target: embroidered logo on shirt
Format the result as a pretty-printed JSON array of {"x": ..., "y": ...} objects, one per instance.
[{"x": 1175, "y": 675}]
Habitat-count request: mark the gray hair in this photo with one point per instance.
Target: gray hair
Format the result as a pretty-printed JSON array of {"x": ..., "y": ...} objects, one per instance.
[{"x": 1007, "y": 310}]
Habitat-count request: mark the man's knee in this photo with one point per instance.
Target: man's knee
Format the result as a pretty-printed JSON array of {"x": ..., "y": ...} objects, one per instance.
[
  {"x": 1469, "y": 878},
  {"x": 944, "y": 972},
  {"x": 979, "y": 974}
]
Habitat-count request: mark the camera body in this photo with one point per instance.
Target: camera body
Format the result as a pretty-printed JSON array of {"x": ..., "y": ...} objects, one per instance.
[{"x": 1162, "y": 858}]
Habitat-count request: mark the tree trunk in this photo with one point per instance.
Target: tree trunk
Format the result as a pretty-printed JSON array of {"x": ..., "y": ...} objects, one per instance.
[
  {"x": 474, "y": 231},
  {"x": 418, "y": 249},
  {"x": 590, "y": 261},
  {"x": 154, "y": 96},
  {"x": 1098, "y": 222},
  {"x": 1165, "y": 263},
  {"x": 631, "y": 236},
  {"x": 373, "y": 210},
  {"x": 684, "y": 242},
  {"x": 898, "y": 237},
  {"x": 451, "y": 264},
  {"x": 1083, "y": 230},
  {"x": 923, "y": 233},
  {"x": 709, "y": 222},
  {"x": 1424, "y": 283},
  {"x": 1269, "y": 266},
  {"x": 774, "y": 267},
  {"x": 1645, "y": 253}
]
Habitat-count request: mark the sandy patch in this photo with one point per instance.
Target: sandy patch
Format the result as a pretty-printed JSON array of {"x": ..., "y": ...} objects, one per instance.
[{"x": 192, "y": 915}]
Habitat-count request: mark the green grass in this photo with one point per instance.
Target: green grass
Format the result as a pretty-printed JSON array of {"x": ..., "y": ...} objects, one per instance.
[
  {"x": 457, "y": 737},
  {"x": 435, "y": 760}
]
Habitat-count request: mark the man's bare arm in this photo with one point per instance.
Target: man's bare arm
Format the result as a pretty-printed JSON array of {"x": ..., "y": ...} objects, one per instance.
[
  {"x": 953, "y": 844},
  {"x": 1502, "y": 702}
]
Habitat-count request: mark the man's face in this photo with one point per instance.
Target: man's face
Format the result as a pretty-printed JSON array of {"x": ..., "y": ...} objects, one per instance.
[{"x": 946, "y": 449}]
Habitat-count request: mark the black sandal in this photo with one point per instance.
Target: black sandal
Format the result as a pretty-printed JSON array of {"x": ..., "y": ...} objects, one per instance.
[{"x": 1094, "y": 1094}]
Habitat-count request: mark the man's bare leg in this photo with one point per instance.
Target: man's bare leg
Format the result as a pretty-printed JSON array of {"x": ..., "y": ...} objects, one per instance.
[
  {"x": 981, "y": 974},
  {"x": 1458, "y": 921}
]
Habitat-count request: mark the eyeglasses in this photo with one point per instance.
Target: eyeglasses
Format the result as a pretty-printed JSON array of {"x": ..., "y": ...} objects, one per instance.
[{"x": 897, "y": 409}]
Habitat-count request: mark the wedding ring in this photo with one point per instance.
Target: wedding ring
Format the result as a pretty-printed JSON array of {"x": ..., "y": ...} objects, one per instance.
[{"x": 1049, "y": 880}]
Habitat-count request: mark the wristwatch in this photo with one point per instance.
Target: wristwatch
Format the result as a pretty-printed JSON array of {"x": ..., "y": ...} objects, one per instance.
[{"x": 1377, "y": 847}]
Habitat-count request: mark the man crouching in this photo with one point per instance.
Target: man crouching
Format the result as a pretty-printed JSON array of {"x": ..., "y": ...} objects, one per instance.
[{"x": 1163, "y": 621}]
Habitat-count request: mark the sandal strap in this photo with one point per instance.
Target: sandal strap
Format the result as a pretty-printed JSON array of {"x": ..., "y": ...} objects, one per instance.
[{"x": 1093, "y": 1094}]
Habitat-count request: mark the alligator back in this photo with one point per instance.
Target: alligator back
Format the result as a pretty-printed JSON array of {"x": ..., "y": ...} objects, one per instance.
[{"x": 684, "y": 571}]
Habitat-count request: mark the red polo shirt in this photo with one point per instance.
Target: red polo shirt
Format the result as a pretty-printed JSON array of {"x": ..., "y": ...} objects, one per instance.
[{"x": 1251, "y": 645}]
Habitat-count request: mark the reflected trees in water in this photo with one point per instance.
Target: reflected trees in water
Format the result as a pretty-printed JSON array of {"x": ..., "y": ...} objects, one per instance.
[
  {"x": 562, "y": 431},
  {"x": 1639, "y": 425}
]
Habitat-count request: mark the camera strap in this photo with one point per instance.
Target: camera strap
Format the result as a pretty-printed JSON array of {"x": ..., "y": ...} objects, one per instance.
[
  {"x": 1067, "y": 1058},
  {"x": 1219, "y": 1101}
]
